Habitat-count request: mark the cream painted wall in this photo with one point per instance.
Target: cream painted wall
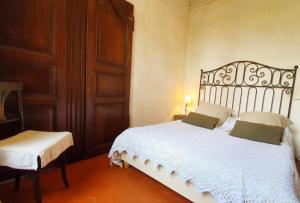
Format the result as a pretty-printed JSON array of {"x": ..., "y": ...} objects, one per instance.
[
  {"x": 265, "y": 31},
  {"x": 158, "y": 65}
]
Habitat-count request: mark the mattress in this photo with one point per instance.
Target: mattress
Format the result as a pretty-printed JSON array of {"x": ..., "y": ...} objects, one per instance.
[
  {"x": 229, "y": 168},
  {"x": 172, "y": 181}
]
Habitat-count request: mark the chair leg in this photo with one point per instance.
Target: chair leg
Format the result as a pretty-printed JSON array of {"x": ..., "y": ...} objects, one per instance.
[
  {"x": 63, "y": 170},
  {"x": 37, "y": 187},
  {"x": 17, "y": 179},
  {"x": 36, "y": 182}
]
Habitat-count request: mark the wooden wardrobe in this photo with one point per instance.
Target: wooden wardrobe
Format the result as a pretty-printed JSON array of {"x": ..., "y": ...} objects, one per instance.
[{"x": 74, "y": 59}]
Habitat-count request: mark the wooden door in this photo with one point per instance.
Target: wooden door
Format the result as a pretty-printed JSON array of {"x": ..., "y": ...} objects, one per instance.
[
  {"x": 109, "y": 44},
  {"x": 33, "y": 51}
]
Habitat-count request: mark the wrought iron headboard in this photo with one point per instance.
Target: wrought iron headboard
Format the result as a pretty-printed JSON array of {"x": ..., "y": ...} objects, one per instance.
[{"x": 249, "y": 86}]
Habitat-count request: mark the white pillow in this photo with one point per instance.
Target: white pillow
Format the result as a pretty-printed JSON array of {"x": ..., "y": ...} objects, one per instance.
[
  {"x": 266, "y": 118},
  {"x": 228, "y": 125},
  {"x": 288, "y": 138},
  {"x": 214, "y": 110}
]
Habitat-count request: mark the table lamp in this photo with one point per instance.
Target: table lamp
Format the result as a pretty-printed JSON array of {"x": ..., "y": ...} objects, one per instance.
[{"x": 187, "y": 101}]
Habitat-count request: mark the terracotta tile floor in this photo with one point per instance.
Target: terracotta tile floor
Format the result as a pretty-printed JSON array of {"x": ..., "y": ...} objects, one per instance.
[{"x": 93, "y": 180}]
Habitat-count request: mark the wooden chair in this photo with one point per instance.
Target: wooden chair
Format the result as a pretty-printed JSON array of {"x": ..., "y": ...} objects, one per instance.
[
  {"x": 5, "y": 89},
  {"x": 30, "y": 151}
]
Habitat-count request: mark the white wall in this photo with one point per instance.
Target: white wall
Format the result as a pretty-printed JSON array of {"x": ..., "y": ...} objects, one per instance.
[
  {"x": 224, "y": 31},
  {"x": 159, "y": 56}
]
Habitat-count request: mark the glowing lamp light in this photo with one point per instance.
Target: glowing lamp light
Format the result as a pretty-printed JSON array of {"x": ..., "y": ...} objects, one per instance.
[{"x": 188, "y": 99}]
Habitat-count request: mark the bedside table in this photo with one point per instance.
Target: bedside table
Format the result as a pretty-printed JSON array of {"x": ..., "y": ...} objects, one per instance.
[{"x": 179, "y": 117}]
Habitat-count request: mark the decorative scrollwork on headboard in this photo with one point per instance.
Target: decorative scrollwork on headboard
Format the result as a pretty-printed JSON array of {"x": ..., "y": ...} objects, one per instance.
[{"x": 246, "y": 85}]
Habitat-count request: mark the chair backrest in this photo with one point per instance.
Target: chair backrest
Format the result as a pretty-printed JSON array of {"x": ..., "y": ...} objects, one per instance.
[{"x": 5, "y": 89}]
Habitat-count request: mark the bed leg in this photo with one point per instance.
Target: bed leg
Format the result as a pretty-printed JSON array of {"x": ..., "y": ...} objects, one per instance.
[{"x": 126, "y": 164}]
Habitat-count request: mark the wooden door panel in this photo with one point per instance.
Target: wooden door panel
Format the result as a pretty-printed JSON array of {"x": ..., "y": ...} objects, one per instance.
[
  {"x": 109, "y": 85},
  {"x": 45, "y": 115},
  {"x": 27, "y": 25},
  {"x": 33, "y": 51},
  {"x": 109, "y": 122},
  {"x": 43, "y": 85},
  {"x": 109, "y": 39},
  {"x": 111, "y": 35}
]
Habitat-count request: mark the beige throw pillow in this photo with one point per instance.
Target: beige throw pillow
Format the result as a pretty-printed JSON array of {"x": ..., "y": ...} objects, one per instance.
[
  {"x": 266, "y": 118},
  {"x": 200, "y": 120},
  {"x": 258, "y": 132},
  {"x": 213, "y": 110}
]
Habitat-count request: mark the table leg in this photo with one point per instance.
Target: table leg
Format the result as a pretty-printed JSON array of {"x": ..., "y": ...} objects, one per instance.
[
  {"x": 17, "y": 179},
  {"x": 63, "y": 169},
  {"x": 36, "y": 182}
]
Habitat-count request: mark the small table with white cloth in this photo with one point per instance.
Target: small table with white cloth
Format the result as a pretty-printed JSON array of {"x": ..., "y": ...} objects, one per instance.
[{"x": 30, "y": 151}]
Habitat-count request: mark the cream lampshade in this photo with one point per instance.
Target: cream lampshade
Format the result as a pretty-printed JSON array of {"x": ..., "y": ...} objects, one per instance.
[{"x": 188, "y": 99}]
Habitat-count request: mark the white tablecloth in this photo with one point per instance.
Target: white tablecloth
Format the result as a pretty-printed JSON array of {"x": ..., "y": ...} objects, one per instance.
[{"x": 22, "y": 150}]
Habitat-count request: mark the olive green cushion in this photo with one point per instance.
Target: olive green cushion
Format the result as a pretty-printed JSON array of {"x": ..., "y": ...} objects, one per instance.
[
  {"x": 201, "y": 120},
  {"x": 258, "y": 132}
]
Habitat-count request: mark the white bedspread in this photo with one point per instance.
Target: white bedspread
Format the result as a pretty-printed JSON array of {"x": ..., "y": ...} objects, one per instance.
[{"x": 231, "y": 169}]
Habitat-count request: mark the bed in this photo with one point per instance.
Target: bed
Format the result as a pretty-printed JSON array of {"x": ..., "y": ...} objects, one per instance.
[{"x": 208, "y": 165}]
